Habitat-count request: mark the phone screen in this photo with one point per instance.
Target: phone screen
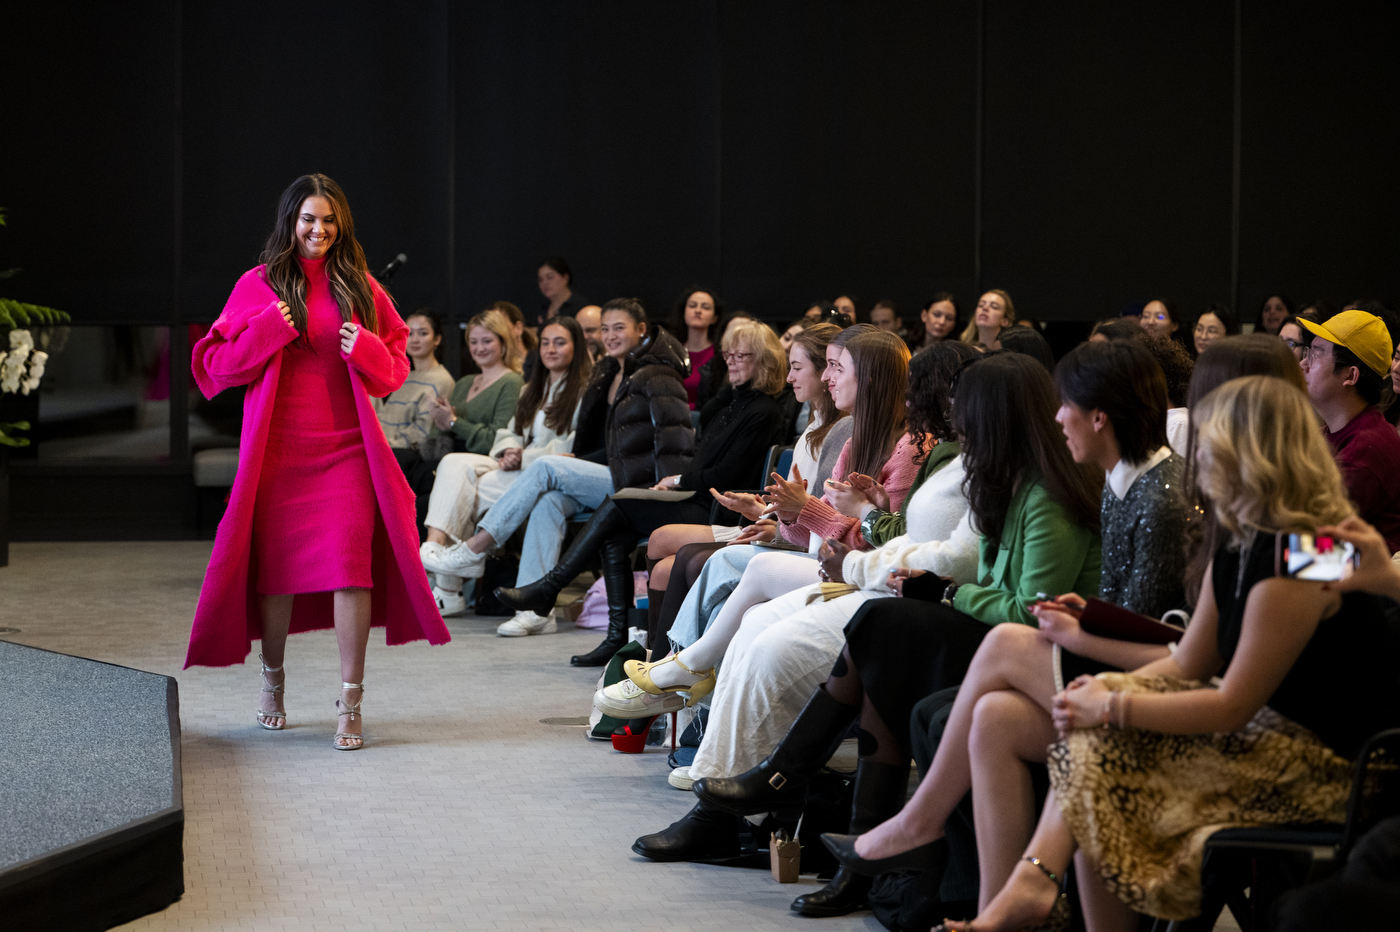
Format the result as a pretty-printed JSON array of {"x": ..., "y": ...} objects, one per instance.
[{"x": 1319, "y": 559}]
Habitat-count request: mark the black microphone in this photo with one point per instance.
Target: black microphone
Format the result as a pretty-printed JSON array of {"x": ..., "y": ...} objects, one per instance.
[{"x": 388, "y": 272}]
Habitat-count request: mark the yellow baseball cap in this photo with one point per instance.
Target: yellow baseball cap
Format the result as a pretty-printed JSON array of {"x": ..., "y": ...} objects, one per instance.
[{"x": 1364, "y": 334}]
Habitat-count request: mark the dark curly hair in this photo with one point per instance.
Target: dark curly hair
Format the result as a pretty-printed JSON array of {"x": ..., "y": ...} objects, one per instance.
[
  {"x": 1177, "y": 365},
  {"x": 930, "y": 375}
]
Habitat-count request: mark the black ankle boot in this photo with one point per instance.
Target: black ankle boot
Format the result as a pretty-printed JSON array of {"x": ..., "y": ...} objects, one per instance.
[
  {"x": 617, "y": 579},
  {"x": 879, "y": 794},
  {"x": 780, "y": 781},
  {"x": 539, "y": 596},
  {"x": 704, "y": 834}
]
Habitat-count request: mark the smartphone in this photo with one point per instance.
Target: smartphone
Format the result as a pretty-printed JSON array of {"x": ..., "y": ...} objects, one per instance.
[{"x": 1318, "y": 558}]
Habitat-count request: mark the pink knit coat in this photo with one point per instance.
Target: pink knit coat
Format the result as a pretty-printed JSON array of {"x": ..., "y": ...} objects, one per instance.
[
  {"x": 244, "y": 347},
  {"x": 820, "y": 518}
]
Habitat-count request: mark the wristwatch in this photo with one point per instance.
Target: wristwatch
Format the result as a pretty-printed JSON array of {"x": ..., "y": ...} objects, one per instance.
[{"x": 950, "y": 593}]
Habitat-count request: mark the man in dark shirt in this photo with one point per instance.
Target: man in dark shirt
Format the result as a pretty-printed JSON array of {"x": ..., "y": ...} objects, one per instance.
[{"x": 1345, "y": 370}]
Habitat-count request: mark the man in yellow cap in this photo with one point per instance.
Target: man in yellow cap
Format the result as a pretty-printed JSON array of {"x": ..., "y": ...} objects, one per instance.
[{"x": 1345, "y": 367}]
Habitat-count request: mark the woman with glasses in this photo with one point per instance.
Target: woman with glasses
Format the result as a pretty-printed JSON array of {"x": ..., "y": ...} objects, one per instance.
[
  {"x": 737, "y": 427},
  {"x": 1215, "y": 323},
  {"x": 1291, "y": 333}
]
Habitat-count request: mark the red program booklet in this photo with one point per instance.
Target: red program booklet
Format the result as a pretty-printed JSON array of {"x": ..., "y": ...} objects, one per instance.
[{"x": 1109, "y": 621}]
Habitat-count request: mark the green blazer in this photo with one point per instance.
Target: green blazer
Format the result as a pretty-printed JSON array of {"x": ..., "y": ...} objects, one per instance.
[
  {"x": 479, "y": 419},
  {"x": 1041, "y": 550}
]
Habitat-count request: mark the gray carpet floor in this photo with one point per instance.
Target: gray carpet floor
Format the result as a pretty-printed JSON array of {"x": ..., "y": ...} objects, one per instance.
[{"x": 464, "y": 811}]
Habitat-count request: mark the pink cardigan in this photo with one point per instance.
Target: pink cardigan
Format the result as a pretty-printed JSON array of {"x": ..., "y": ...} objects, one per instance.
[
  {"x": 244, "y": 347},
  {"x": 820, "y": 518}
]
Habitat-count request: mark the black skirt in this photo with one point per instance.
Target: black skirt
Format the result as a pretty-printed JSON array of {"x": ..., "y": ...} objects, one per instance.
[
  {"x": 646, "y": 516},
  {"x": 906, "y": 649}
]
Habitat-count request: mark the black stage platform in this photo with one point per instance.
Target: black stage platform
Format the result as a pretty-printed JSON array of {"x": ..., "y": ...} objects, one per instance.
[{"x": 92, "y": 813}]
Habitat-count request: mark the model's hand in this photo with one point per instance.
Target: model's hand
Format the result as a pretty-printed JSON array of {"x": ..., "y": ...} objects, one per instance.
[
  {"x": 1081, "y": 705},
  {"x": 789, "y": 497},
  {"x": 349, "y": 333},
  {"x": 286, "y": 313},
  {"x": 832, "y": 555},
  {"x": 758, "y": 532},
  {"x": 874, "y": 492},
  {"x": 744, "y": 503},
  {"x": 897, "y": 578},
  {"x": 442, "y": 413},
  {"x": 510, "y": 459},
  {"x": 1376, "y": 573}
]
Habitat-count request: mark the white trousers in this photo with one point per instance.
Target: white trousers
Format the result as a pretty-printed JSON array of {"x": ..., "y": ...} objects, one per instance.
[
  {"x": 464, "y": 489},
  {"x": 769, "y": 574},
  {"x": 783, "y": 651}
]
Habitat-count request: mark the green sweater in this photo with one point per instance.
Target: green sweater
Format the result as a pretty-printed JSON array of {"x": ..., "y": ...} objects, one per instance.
[
  {"x": 479, "y": 419},
  {"x": 1041, "y": 550},
  {"x": 880, "y": 527}
]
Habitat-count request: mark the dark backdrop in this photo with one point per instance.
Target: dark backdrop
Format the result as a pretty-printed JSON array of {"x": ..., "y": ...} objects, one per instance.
[{"x": 1082, "y": 156}]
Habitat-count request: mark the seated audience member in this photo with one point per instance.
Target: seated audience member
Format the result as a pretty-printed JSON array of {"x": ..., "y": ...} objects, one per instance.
[
  {"x": 805, "y": 377},
  {"x": 633, "y": 428},
  {"x": 885, "y": 316},
  {"x": 737, "y": 426},
  {"x": 527, "y": 337},
  {"x": 696, "y": 324},
  {"x": 994, "y": 313},
  {"x": 1347, "y": 364},
  {"x": 1215, "y": 323},
  {"x": 1272, "y": 313},
  {"x": 1177, "y": 366},
  {"x": 482, "y": 404},
  {"x": 1291, "y": 333},
  {"x": 655, "y": 687},
  {"x": 1160, "y": 316},
  {"x": 1029, "y": 342},
  {"x": 709, "y": 582},
  {"x": 937, "y": 321},
  {"x": 556, "y": 283},
  {"x": 406, "y": 413},
  {"x": 1116, "y": 328},
  {"x": 846, "y": 304},
  {"x": 468, "y": 484},
  {"x": 1266, "y": 747},
  {"x": 590, "y": 321},
  {"x": 1037, "y": 514},
  {"x": 817, "y": 312},
  {"x": 790, "y": 334}
]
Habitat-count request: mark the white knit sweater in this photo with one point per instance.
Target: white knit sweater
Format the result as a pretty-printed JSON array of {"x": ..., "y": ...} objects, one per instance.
[
  {"x": 538, "y": 440},
  {"x": 938, "y": 537}
]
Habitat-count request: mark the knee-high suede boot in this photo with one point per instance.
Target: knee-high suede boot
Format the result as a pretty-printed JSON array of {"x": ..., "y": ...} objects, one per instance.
[
  {"x": 781, "y": 780},
  {"x": 879, "y": 794},
  {"x": 539, "y": 596},
  {"x": 617, "y": 580}
]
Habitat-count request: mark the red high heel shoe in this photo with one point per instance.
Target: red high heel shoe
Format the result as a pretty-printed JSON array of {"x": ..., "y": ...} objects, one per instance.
[{"x": 634, "y": 742}]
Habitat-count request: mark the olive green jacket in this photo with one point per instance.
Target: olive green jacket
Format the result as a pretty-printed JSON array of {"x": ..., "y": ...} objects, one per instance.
[{"x": 881, "y": 527}]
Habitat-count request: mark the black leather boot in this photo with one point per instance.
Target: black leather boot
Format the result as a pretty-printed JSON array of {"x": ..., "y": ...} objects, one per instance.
[
  {"x": 879, "y": 794},
  {"x": 617, "y": 579},
  {"x": 780, "y": 781},
  {"x": 704, "y": 834},
  {"x": 539, "y": 596}
]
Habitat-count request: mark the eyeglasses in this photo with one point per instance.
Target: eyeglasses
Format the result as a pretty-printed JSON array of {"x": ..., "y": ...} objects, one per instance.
[
  {"x": 736, "y": 357},
  {"x": 1293, "y": 344},
  {"x": 1315, "y": 350}
]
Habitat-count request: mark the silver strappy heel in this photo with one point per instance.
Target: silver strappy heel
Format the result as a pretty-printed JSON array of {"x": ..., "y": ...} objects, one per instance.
[
  {"x": 345, "y": 708},
  {"x": 276, "y": 691}
]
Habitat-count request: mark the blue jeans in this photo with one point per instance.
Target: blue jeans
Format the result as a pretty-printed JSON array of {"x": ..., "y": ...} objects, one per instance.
[
  {"x": 719, "y": 576},
  {"x": 548, "y": 493}
]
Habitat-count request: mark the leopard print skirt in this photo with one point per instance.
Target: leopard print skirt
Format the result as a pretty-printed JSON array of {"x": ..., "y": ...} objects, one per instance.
[{"x": 1143, "y": 803}]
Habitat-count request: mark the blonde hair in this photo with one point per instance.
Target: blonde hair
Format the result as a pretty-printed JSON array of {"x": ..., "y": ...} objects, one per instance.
[
  {"x": 1263, "y": 462},
  {"x": 1008, "y": 317},
  {"x": 770, "y": 361},
  {"x": 498, "y": 324}
]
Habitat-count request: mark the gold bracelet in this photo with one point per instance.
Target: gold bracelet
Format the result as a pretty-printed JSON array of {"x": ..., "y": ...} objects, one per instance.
[{"x": 1107, "y": 717}]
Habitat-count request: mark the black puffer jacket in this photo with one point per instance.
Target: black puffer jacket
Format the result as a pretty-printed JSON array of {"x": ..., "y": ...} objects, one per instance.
[
  {"x": 736, "y": 429},
  {"x": 647, "y": 433}
]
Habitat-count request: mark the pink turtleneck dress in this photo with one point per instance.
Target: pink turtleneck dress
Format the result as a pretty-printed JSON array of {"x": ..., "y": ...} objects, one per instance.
[{"x": 313, "y": 523}]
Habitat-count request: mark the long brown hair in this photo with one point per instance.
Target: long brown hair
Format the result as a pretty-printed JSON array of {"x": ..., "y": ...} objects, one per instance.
[
  {"x": 1008, "y": 317},
  {"x": 882, "y": 373},
  {"x": 559, "y": 416},
  {"x": 346, "y": 268},
  {"x": 813, "y": 341},
  {"x": 1004, "y": 408}
]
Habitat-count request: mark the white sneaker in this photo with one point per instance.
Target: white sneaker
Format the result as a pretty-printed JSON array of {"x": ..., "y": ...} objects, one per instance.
[
  {"x": 457, "y": 560},
  {"x": 680, "y": 778},
  {"x": 627, "y": 700},
  {"x": 430, "y": 549},
  {"x": 450, "y": 603},
  {"x": 527, "y": 623}
]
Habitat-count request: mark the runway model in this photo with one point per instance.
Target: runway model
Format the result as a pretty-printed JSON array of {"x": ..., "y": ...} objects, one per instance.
[{"x": 320, "y": 524}]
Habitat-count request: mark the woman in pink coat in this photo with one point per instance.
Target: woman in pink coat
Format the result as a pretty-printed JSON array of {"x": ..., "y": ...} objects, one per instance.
[{"x": 320, "y": 526}]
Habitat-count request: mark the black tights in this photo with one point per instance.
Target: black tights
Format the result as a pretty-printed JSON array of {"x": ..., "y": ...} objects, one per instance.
[{"x": 876, "y": 740}]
